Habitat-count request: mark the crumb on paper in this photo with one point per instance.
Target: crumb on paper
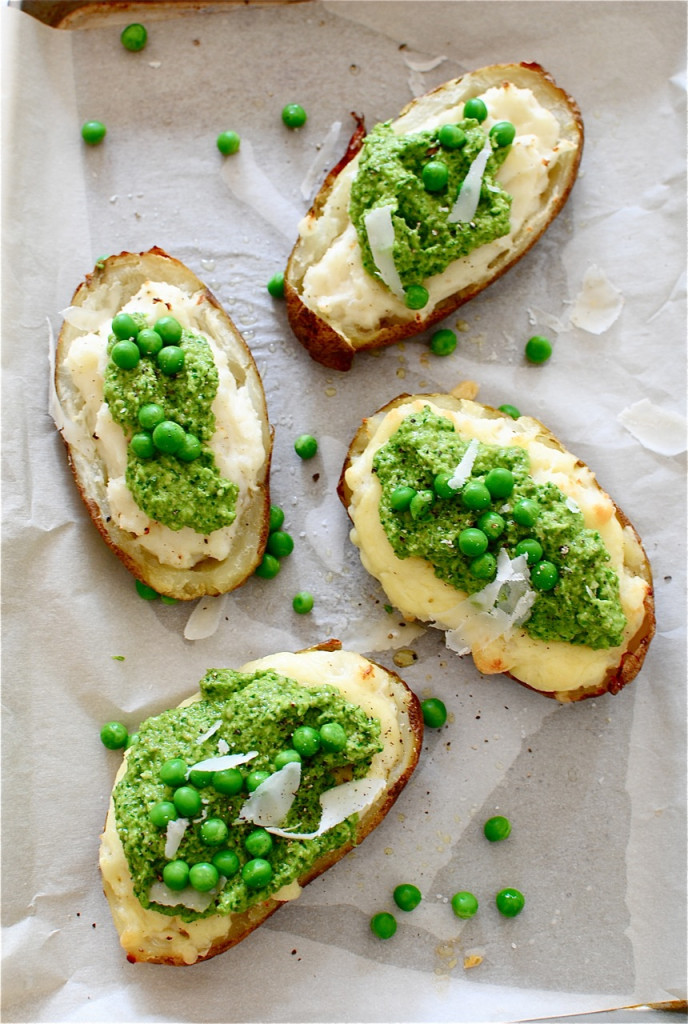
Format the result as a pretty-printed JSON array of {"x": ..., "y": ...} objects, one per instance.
[
  {"x": 404, "y": 657},
  {"x": 466, "y": 389},
  {"x": 472, "y": 960}
]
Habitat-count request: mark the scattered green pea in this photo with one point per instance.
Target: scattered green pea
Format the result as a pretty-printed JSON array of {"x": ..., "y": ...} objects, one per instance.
[
  {"x": 93, "y": 132},
  {"x": 171, "y": 359},
  {"x": 134, "y": 37},
  {"x": 525, "y": 512},
  {"x": 190, "y": 448},
  {"x": 475, "y": 496},
  {"x": 142, "y": 445},
  {"x": 531, "y": 548},
  {"x": 162, "y": 813},
  {"x": 302, "y": 603},
  {"x": 287, "y": 757},
  {"x": 434, "y": 712},
  {"x": 492, "y": 524},
  {"x": 510, "y": 410},
  {"x": 544, "y": 575},
  {"x": 150, "y": 415},
  {"x": 333, "y": 737},
  {"x": 538, "y": 349},
  {"x": 228, "y": 143},
  {"x": 305, "y": 446},
  {"x": 169, "y": 329},
  {"x": 255, "y": 779},
  {"x": 187, "y": 801},
  {"x": 175, "y": 875},
  {"x": 145, "y": 592},
  {"x": 168, "y": 437},
  {"x": 510, "y": 902},
  {"x": 435, "y": 175},
  {"x": 306, "y": 741},
  {"x": 258, "y": 842},
  {"x": 201, "y": 779},
  {"x": 268, "y": 567},
  {"x": 441, "y": 487},
  {"x": 503, "y": 133},
  {"x": 401, "y": 498},
  {"x": 421, "y": 503},
  {"x": 407, "y": 897},
  {"x": 276, "y": 286},
  {"x": 383, "y": 925},
  {"x": 293, "y": 115},
  {"x": 472, "y": 542},
  {"x": 276, "y": 518},
  {"x": 416, "y": 296},
  {"x": 280, "y": 543},
  {"x": 114, "y": 735},
  {"x": 475, "y": 108},
  {"x": 226, "y": 862},
  {"x": 125, "y": 354},
  {"x": 464, "y": 904},
  {"x": 174, "y": 771},
  {"x": 213, "y": 832},
  {"x": 124, "y": 327},
  {"x": 228, "y": 781},
  {"x": 484, "y": 567},
  {"x": 443, "y": 342},
  {"x": 497, "y": 828},
  {"x": 500, "y": 482},
  {"x": 203, "y": 876},
  {"x": 450, "y": 136},
  {"x": 256, "y": 873}
]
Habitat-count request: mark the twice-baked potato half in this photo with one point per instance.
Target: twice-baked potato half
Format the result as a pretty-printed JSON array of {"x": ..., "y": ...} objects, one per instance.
[
  {"x": 224, "y": 808},
  {"x": 162, "y": 410},
  {"x": 489, "y": 529},
  {"x": 427, "y": 210}
]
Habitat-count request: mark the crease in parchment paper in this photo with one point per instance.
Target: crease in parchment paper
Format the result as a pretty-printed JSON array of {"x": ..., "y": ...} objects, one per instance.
[{"x": 248, "y": 182}]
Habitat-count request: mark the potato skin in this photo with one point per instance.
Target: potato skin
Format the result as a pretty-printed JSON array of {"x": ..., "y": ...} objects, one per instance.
[
  {"x": 333, "y": 347},
  {"x": 633, "y": 654},
  {"x": 126, "y": 272}
]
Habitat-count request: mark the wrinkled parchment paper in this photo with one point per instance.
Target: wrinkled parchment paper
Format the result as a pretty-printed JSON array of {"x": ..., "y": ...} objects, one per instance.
[{"x": 595, "y": 792}]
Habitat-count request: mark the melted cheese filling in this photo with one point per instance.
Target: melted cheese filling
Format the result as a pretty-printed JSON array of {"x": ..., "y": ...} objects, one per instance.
[
  {"x": 237, "y": 442},
  {"x": 337, "y": 287},
  {"x": 154, "y": 934},
  {"x": 411, "y": 584}
]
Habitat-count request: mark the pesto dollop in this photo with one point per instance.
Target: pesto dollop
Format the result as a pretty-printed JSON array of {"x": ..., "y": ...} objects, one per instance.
[
  {"x": 425, "y": 241},
  {"x": 582, "y": 608},
  {"x": 168, "y": 490},
  {"x": 257, "y": 712}
]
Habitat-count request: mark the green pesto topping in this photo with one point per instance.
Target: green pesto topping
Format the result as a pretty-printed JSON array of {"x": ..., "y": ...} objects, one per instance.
[
  {"x": 393, "y": 172},
  {"x": 581, "y": 607},
  {"x": 258, "y": 712},
  {"x": 177, "y": 485}
]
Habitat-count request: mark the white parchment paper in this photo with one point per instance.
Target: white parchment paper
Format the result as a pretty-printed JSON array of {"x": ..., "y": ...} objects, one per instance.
[{"x": 596, "y": 792}]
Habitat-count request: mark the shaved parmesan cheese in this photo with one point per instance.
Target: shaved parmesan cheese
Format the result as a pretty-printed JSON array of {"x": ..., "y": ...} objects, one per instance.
[
  {"x": 503, "y": 605},
  {"x": 658, "y": 429},
  {"x": 469, "y": 193},
  {"x": 222, "y": 746},
  {"x": 219, "y": 764},
  {"x": 205, "y": 618},
  {"x": 190, "y": 898},
  {"x": 211, "y": 732},
  {"x": 270, "y": 802},
  {"x": 174, "y": 835},
  {"x": 598, "y": 303},
  {"x": 465, "y": 466},
  {"x": 380, "y": 232},
  {"x": 83, "y": 318},
  {"x": 338, "y": 804},
  {"x": 423, "y": 64}
]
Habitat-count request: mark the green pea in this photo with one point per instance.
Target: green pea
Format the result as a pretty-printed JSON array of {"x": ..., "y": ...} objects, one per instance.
[
  {"x": 201, "y": 779},
  {"x": 169, "y": 600},
  {"x": 492, "y": 524},
  {"x": 134, "y": 37},
  {"x": 531, "y": 548},
  {"x": 302, "y": 603},
  {"x": 525, "y": 512},
  {"x": 93, "y": 132},
  {"x": 169, "y": 329},
  {"x": 174, "y": 772},
  {"x": 510, "y": 902},
  {"x": 256, "y": 873},
  {"x": 472, "y": 542},
  {"x": 228, "y": 781},
  {"x": 435, "y": 176},
  {"x": 440, "y": 486},
  {"x": 476, "y": 496},
  {"x": 450, "y": 136},
  {"x": 464, "y": 904},
  {"x": 484, "y": 566},
  {"x": 287, "y": 757},
  {"x": 255, "y": 779},
  {"x": 276, "y": 518},
  {"x": 258, "y": 843},
  {"x": 142, "y": 445},
  {"x": 150, "y": 415},
  {"x": 434, "y": 712},
  {"x": 293, "y": 115},
  {"x": 187, "y": 801},
  {"x": 538, "y": 349},
  {"x": 268, "y": 567},
  {"x": 306, "y": 741},
  {"x": 416, "y": 296},
  {"x": 162, "y": 813},
  {"x": 383, "y": 925},
  {"x": 510, "y": 410},
  {"x": 175, "y": 875},
  {"x": 149, "y": 342},
  {"x": 228, "y": 143},
  {"x": 203, "y": 876},
  {"x": 305, "y": 446},
  {"x": 276, "y": 286},
  {"x": 131, "y": 740},
  {"x": 226, "y": 862},
  {"x": 171, "y": 360},
  {"x": 421, "y": 503},
  {"x": 443, "y": 342},
  {"x": 500, "y": 482},
  {"x": 124, "y": 327},
  {"x": 476, "y": 109},
  {"x": 125, "y": 354},
  {"x": 333, "y": 737},
  {"x": 401, "y": 498},
  {"x": 280, "y": 543},
  {"x": 213, "y": 832},
  {"x": 113, "y": 735},
  {"x": 503, "y": 133},
  {"x": 168, "y": 437},
  {"x": 407, "y": 897},
  {"x": 190, "y": 449},
  {"x": 144, "y": 591},
  {"x": 544, "y": 575},
  {"x": 497, "y": 828}
]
